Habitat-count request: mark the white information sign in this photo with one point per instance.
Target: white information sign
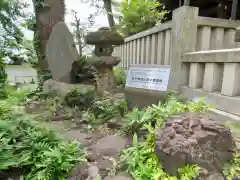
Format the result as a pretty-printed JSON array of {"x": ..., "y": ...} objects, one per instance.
[{"x": 148, "y": 77}]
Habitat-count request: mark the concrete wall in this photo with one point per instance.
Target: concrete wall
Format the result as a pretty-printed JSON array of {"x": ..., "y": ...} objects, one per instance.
[
  {"x": 204, "y": 58},
  {"x": 21, "y": 74}
]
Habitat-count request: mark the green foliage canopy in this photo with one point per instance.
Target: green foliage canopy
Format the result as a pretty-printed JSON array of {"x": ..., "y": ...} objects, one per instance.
[
  {"x": 139, "y": 15},
  {"x": 12, "y": 42},
  {"x": 10, "y": 11}
]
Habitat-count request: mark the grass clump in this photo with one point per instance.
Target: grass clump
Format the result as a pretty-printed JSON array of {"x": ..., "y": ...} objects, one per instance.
[
  {"x": 80, "y": 98},
  {"x": 104, "y": 109}
]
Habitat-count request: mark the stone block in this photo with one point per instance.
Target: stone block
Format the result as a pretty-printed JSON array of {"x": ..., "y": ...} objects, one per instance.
[
  {"x": 196, "y": 75},
  {"x": 217, "y": 37},
  {"x": 231, "y": 79},
  {"x": 183, "y": 39},
  {"x": 237, "y": 35},
  {"x": 213, "y": 77},
  {"x": 203, "y": 36}
]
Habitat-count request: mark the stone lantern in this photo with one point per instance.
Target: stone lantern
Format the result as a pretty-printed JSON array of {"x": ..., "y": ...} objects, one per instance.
[{"x": 103, "y": 61}]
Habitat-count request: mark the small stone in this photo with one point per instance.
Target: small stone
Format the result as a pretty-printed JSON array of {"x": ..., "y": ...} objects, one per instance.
[
  {"x": 93, "y": 173},
  {"x": 109, "y": 145},
  {"x": 215, "y": 176},
  {"x": 119, "y": 176},
  {"x": 104, "y": 166},
  {"x": 79, "y": 172},
  {"x": 114, "y": 123},
  {"x": 76, "y": 135},
  {"x": 93, "y": 155}
]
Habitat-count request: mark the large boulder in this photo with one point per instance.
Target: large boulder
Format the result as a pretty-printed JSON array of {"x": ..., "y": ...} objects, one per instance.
[
  {"x": 193, "y": 140},
  {"x": 62, "y": 89}
]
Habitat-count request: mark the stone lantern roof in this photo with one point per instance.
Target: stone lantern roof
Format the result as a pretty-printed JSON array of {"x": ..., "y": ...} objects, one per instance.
[
  {"x": 104, "y": 36},
  {"x": 104, "y": 61}
]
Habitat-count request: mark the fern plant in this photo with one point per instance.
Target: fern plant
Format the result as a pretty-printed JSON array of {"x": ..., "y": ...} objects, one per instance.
[
  {"x": 3, "y": 77},
  {"x": 141, "y": 162},
  {"x": 38, "y": 151},
  {"x": 135, "y": 120},
  {"x": 156, "y": 114},
  {"x": 104, "y": 109}
]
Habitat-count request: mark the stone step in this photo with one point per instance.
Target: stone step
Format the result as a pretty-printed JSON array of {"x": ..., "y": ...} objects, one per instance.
[{"x": 223, "y": 116}]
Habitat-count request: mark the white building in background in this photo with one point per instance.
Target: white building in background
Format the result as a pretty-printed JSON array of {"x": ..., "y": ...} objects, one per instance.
[{"x": 21, "y": 74}]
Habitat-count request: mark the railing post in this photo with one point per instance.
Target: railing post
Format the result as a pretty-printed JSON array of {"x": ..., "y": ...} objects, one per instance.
[{"x": 183, "y": 39}]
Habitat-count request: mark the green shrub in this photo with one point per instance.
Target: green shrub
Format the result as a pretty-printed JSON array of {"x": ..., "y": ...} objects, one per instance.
[
  {"x": 156, "y": 114},
  {"x": 4, "y": 111},
  {"x": 141, "y": 162},
  {"x": 17, "y": 94},
  {"x": 104, "y": 109},
  {"x": 3, "y": 77},
  {"x": 81, "y": 98},
  {"x": 135, "y": 120},
  {"x": 139, "y": 15},
  {"x": 119, "y": 76},
  {"x": 36, "y": 150},
  {"x": 43, "y": 75},
  {"x": 140, "y": 159}
]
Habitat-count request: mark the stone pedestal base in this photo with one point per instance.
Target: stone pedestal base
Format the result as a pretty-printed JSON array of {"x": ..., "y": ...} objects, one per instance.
[{"x": 105, "y": 80}]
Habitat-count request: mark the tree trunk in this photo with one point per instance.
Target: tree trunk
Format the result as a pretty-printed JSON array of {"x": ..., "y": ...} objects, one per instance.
[
  {"x": 108, "y": 8},
  {"x": 48, "y": 13},
  {"x": 234, "y": 9},
  {"x": 38, "y": 47},
  {"x": 78, "y": 36}
]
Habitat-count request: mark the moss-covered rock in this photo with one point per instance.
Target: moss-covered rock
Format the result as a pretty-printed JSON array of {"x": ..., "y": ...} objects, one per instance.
[{"x": 62, "y": 89}]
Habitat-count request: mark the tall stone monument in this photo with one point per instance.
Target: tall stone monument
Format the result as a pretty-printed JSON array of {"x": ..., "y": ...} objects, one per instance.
[
  {"x": 103, "y": 61},
  {"x": 61, "y": 53}
]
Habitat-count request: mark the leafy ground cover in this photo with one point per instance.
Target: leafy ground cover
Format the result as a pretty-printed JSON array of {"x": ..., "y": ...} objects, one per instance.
[
  {"x": 139, "y": 159},
  {"x": 40, "y": 153},
  {"x": 34, "y": 149}
]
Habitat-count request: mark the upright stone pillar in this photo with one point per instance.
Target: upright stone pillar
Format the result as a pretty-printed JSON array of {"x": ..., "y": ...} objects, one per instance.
[
  {"x": 237, "y": 35},
  {"x": 183, "y": 39}
]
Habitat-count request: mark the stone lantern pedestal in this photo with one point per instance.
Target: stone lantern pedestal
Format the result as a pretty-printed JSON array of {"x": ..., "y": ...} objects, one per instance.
[{"x": 103, "y": 61}]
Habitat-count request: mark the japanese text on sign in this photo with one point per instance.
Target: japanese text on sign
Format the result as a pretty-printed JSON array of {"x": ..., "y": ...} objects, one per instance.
[{"x": 152, "y": 78}]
